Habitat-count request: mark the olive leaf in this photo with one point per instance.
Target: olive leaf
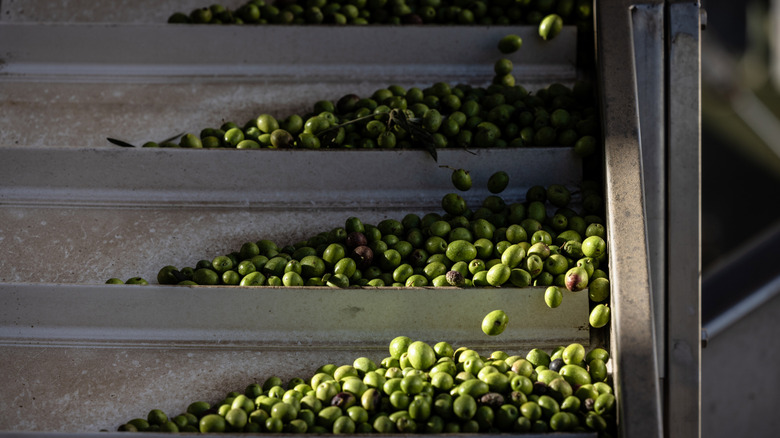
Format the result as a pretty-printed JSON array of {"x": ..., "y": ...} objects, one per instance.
[
  {"x": 125, "y": 144},
  {"x": 419, "y": 135}
]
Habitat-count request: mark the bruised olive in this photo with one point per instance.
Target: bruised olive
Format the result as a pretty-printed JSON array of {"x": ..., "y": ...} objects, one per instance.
[
  {"x": 588, "y": 404},
  {"x": 363, "y": 256},
  {"x": 492, "y": 399},
  {"x": 371, "y": 399},
  {"x": 576, "y": 279},
  {"x": 517, "y": 398},
  {"x": 343, "y": 400},
  {"x": 455, "y": 278},
  {"x": 355, "y": 239}
]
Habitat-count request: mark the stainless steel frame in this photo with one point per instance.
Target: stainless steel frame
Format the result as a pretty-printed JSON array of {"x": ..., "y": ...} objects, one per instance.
[
  {"x": 683, "y": 279},
  {"x": 633, "y": 333},
  {"x": 648, "y": 58}
]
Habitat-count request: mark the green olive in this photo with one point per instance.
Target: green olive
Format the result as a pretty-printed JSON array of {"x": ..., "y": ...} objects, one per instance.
[
  {"x": 534, "y": 265},
  {"x": 553, "y": 297},
  {"x": 453, "y": 204},
  {"x": 575, "y": 374},
  {"x": 598, "y": 370},
  {"x": 595, "y": 421},
  {"x": 597, "y": 353},
  {"x": 550, "y": 26},
  {"x": 605, "y": 404},
  {"x": 498, "y": 274},
  {"x": 520, "y": 277},
  {"x": 498, "y": 181},
  {"x": 212, "y": 423},
  {"x": 190, "y": 141},
  {"x": 598, "y": 289},
  {"x": 585, "y": 146},
  {"x": 599, "y": 316},
  {"x": 461, "y": 179},
  {"x": 594, "y": 246},
  {"x": 416, "y": 280},
  {"x": 502, "y": 66},
  {"x": 513, "y": 255},
  {"x": 560, "y": 422},
  {"x": 573, "y": 354}
]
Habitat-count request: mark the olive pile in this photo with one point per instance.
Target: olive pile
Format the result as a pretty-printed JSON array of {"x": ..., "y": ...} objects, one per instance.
[
  {"x": 418, "y": 389},
  {"x": 539, "y": 242},
  {"x": 392, "y": 12},
  {"x": 441, "y": 115}
]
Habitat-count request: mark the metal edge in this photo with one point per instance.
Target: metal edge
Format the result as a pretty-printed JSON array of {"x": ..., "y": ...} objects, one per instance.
[
  {"x": 286, "y": 51},
  {"x": 180, "y": 177},
  {"x": 683, "y": 308},
  {"x": 649, "y": 44},
  {"x": 632, "y": 329},
  {"x": 280, "y": 317}
]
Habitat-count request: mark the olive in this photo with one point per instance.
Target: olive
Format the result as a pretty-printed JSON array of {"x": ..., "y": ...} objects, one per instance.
[
  {"x": 496, "y": 399},
  {"x": 585, "y": 146},
  {"x": 593, "y": 246},
  {"x": 498, "y": 274},
  {"x": 355, "y": 239},
  {"x": 363, "y": 256},
  {"x": 536, "y": 194},
  {"x": 604, "y": 404},
  {"x": 453, "y": 204},
  {"x": 494, "y": 322},
  {"x": 599, "y": 316},
  {"x": 212, "y": 423},
  {"x": 553, "y": 297},
  {"x": 201, "y": 15},
  {"x": 573, "y": 354},
  {"x": 576, "y": 279},
  {"x": 520, "y": 277},
  {"x": 343, "y": 400},
  {"x": 558, "y": 195},
  {"x": 461, "y": 179},
  {"x": 572, "y": 249},
  {"x": 455, "y": 278},
  {"x": 498, "y": 181}
]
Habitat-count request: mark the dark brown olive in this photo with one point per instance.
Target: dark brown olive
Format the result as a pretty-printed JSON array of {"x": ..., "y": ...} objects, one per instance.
[
  {"x": 355, "y": 239},
  {"x": 540, "y": 388},
  {"x": 363, "y": 256},
  {"x": 492, "y": 399},
  {"x": 347, "y": 103},
  {"x": 418, "y": 258},
  {"x": 343, "y": 400},
  {"x": 455, "y": 278}
]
